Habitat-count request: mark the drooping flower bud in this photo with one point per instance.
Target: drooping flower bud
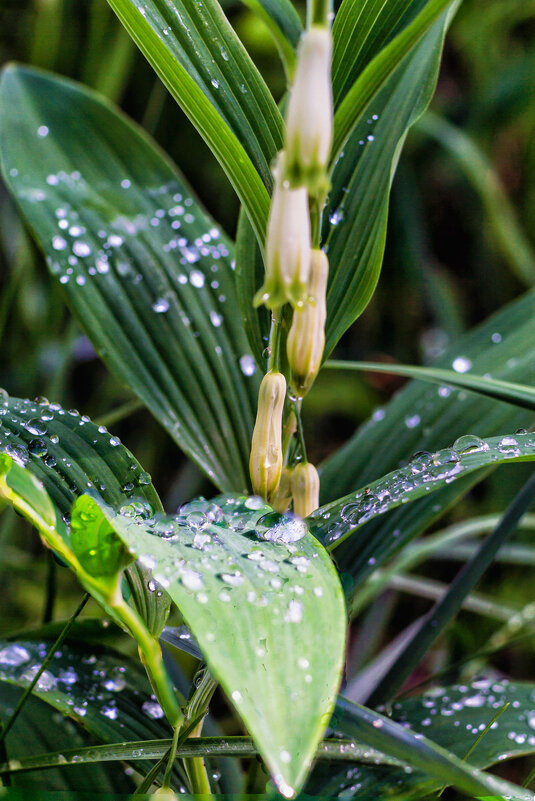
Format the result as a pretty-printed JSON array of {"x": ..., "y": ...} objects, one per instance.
[
  {"x": 265, "y": 464},
  {"x": 306, "y": 339},
  {"x": 288, "y": 244},
  {"x": 309, "y": 118},
  {"x": 165, "y": 794},
  {"x": 283, "y": 497},
  {"x": 305, "y": 489}
]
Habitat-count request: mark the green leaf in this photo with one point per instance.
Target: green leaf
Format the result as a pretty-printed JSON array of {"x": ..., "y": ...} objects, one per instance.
[
  {"x": 146, "y": 271},
  {"x": 382, "y": 67},
  {"x": 453, "y": 718},
  {"x": 264, "y": 602},
  {"x": 426, "y": 418},
  {"x": 361, "y": 29},
  {"x": 425, "y": 473},
  {"x": 63, "y": 455},
  {"x": 282, "y": 21},
  {"x": 354, "y": 222},
  {"x": 187, "y": 44},
  {"x": 39, "y": 728},
  {"x": 517, "y": 394},
  {"x": 104, "y": 692}
]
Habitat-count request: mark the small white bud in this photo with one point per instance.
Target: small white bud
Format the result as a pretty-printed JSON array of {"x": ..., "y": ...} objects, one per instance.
[
  {"x": 288, "y": 246},
  {"x": 265, "y": 464},
  {"x": 306, "y": 339},
  {"x": 309, "y": 118}
]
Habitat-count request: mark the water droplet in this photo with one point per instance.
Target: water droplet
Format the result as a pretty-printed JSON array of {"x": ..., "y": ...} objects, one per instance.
[
  {"x": 283, "y": 528},
  {"x": 152, "y": 709},
  {"x": 461, "y": 364},
  {"x": 247, "y": 364},
  {"x": 14, "y": 655},
  {"x": 161, "y": 305},
  {"x": 469, "y": 443},
  {"x": 36, "y": 426},
  {"x": 294, "y": 613}
]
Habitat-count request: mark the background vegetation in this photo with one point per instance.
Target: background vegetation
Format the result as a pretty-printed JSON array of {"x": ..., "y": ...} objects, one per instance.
[{"x": 459, "y": 246}]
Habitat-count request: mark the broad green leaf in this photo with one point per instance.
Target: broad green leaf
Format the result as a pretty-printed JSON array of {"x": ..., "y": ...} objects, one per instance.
[
  {"x": 452, "y": 718},
  {"x": 377, "y": 73},
  {"x": 518, "y": 394},
  {"x": 189, "y": 57},
  {"x": 426, "y": 418},
  {"x": 65, "y": 454},
  {"x": 146, "y": 271},
  {"x": 104, "y": 692},
  {"x": 361, "y": 29},
  {"x": 354, "y": 222},
  {"x": 264, "y": 602},
  {"x": 425, "y": 473},
  {"x": 39, "y": 728}
]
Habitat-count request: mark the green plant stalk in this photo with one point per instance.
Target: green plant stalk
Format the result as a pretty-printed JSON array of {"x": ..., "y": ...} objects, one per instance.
[
  {"x": 286, "y": 51},
  {"x": 275, "y": 341},
  {"x": 198, "y": 705},
  {"x": 151, "y": 656},
  {"x": 319, "y": 12}
]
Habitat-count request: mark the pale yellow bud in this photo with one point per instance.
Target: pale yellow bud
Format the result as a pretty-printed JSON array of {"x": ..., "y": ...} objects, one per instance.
[
  {"x": 288, "y": 244},
  {"x": 309, "y": 118},
  {"x": 306, "y": 339},
  {"x": 283, "y": 497},
  {"x": 165, "y": 794},
  {"x": 265, "y": 464},
  {"x": 305, "y": 489}
]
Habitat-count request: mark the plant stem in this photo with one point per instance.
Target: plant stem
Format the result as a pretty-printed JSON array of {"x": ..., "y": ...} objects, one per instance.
[
  {"x": 172, "y": 755},
  {"x": 151, "y": 656},
  {"x": 59, "y": 642},
  {"x": 300, "y": 432},
  {"x": 197, "y": 705},
  {"x": 319, "y": 12}
]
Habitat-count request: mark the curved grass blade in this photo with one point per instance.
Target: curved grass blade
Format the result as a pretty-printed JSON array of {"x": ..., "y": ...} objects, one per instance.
[
  {"x": 518, "y": 394},
  {"x": 239, "y": 747},
  {"x": 422, "y": 754},
  {"x": 264, "y": 602},
  {"x": 446, "y": 608},
  {"x": 453, "y": 718},
  {"x": 67, "y": 454},
  {"x": 425, "y": 473},
  {"x": 197, "y": 102},
  {"x": 501, "y": 215},
  {"x": 146, "y": 271},
  {"x": 425, "y": 418}
]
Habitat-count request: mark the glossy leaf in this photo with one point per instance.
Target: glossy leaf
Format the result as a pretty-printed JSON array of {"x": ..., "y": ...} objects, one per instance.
[
  {"x": 40, "y": 728},
  {"x": 105, "y": 693},
  {"x": 65, "y": 454},
  {"x": 452, "y": 718},
  {"x": 354, "y": 222},
  {"x": 264, "y": 603},
  {"x": 146, "y": 271},
  {"x": 426, "y": 418},
  {"x": 187, "y": 44},
  {"x": 518, "y": 394},
  {"x": 425, "y": 473},
  {"x": 282, "y": 21}
]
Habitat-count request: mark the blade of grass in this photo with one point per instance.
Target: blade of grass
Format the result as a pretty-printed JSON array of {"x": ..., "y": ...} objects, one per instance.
[
  {"x": 444, "y": 610},
  {"x": 519, "y": 394}
]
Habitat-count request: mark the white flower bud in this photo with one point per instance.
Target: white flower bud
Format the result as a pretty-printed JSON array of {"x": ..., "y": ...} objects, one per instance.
[
  {"x": 265, "y": 464},
  {"x": 288, "y": 246},
  {"x": 309, "y": 118},
  {"x": 306, "y": 339},
  {"x": 305, "y": 489},
  {"x": 283, "y": 497}
]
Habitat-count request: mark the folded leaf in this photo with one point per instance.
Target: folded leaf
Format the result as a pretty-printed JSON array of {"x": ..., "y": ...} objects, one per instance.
[
  {"x": 146, "y": 271},
  {"x": 264, "y": 602},
  {"x": 65, "y": 454}
]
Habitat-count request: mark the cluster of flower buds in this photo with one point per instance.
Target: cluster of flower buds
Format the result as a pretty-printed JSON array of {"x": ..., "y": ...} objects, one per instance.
[
  {"x": 265, "y": 464},
  {"x": 295, "y": 272}
]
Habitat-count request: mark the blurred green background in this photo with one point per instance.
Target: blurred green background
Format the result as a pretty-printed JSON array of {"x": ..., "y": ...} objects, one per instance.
[{"x": 460, "y": 245}]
